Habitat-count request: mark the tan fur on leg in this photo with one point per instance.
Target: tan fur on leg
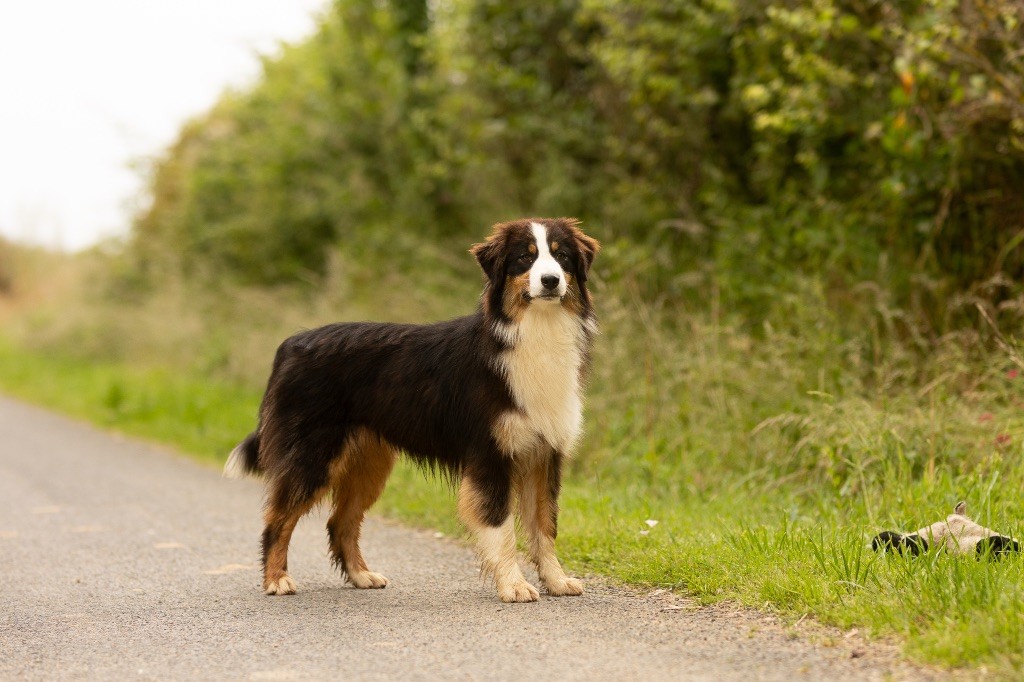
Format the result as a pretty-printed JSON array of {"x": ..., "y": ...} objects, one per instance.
[
  {"x": 366, "y": 463},
  {"x": 275, "y": 573},
  {"x": 496, "y": 547},
  {"x": 536, "y": 513}
]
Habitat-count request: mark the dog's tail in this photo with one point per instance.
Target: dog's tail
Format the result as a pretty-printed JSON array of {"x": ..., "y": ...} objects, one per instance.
[{"x": 244, "y": 459}]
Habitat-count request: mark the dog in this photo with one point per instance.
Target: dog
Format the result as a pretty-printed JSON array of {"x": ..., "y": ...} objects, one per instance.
[{"x": 492, "y": 400}]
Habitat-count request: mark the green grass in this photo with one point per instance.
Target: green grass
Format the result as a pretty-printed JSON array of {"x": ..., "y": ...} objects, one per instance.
[
  {"x": 788, "y": 546},
  {"x": 201, "y": 417}
]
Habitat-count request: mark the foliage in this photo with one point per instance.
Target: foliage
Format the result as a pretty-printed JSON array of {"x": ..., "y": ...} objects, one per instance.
[
  {"x": 262, "y": 184},
  {"x": 743, "y": 144}
]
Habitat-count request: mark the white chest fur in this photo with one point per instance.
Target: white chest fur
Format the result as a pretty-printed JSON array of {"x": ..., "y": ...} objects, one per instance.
[{"x": 542, "y": 369}]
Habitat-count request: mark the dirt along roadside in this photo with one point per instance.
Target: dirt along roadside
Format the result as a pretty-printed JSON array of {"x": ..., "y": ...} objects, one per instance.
[{"x": 119, "y": 559}]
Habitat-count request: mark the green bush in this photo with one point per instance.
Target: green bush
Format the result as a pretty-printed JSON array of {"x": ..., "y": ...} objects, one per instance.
[{"x": 740, "y": 146}]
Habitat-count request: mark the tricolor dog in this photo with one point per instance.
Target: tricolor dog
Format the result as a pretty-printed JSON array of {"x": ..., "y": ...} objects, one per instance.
[{"x": 493, "y": 399}]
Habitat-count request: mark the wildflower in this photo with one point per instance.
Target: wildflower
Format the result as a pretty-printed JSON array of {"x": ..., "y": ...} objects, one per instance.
[
  {"x": 987, "y": 417},
  {"x": 1012, "y": 374},
  {"x": 1003, "y": 439}
]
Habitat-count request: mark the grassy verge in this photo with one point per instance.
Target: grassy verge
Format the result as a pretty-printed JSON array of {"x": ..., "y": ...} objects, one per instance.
[
  {"x": 785, "y": 546},
  {"x": 200, "y": 417}
]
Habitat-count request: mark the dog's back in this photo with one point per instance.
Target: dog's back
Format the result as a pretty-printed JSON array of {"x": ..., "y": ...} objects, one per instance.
[{"x": 428, "y": 390}]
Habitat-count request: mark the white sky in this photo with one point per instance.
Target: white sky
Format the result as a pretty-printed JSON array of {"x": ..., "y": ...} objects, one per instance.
[{"x": 88, "y": 86}]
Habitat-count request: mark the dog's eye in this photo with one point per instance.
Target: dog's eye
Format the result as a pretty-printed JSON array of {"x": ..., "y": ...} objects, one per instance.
[
  {"x": 525, "y": 258},
  {"x": 562, "y": 257}
]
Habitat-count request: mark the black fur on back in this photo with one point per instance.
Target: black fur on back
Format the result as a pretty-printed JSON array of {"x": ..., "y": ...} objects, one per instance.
[{"x": 430, "y": 390}]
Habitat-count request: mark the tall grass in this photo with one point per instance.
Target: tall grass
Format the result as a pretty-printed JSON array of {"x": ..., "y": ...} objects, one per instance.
[{"x": 768, "y": 456}]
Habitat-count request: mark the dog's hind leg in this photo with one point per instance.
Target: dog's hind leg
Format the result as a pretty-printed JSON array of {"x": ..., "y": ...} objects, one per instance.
[
  {"x": 485, "y": 506},
  {"x": 360, "y": 477},
  {"x": 538, "y": 513},
  {"x": 285, "y": 506}
]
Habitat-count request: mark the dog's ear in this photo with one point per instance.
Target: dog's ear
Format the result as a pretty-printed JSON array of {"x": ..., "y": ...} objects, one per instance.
[
  {"x": 491, "y": 255},
  {"x": 586, "y": 246}
]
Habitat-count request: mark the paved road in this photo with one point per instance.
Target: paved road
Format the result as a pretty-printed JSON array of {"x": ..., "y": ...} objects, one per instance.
[{"x": 121, "y": 560}]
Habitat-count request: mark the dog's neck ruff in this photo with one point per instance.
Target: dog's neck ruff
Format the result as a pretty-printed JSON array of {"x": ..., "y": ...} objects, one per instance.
[{"x": 541, "y": 363}]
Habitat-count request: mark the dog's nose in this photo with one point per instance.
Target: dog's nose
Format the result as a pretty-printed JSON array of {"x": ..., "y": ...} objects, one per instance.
[{"x": 549, "y": 281}]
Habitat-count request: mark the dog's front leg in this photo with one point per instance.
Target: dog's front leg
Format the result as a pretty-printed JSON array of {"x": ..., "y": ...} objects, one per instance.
[
  {"x": 485, "y": 506},
  {"x": 538, "y": 511}
]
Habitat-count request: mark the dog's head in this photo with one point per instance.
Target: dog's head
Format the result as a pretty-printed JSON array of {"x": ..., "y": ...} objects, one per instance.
[{"x": 536, "y": 261}]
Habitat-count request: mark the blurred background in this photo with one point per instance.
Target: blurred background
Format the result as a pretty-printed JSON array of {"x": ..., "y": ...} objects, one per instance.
[
  {"x": 812, "y": 216},
  {"x": 90, "y": 91}
]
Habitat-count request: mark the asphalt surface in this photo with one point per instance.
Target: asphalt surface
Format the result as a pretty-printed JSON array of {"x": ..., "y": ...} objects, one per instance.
[{"x": 122, "y": 560}]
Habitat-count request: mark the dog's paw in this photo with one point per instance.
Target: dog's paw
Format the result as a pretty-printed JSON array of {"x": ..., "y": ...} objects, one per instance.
[
  {"x": 280, "y": 586},
  {"x": 367, "y": 580},
  {"x": 564, "y": 587},
  {"x": 518, "y": 591}
]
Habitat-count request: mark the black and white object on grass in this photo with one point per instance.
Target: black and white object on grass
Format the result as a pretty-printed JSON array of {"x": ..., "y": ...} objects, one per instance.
[{"x": 957, "y": 534}]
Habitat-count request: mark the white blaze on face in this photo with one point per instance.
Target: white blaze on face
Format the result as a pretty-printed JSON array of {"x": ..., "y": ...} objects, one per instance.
[{"x": 544, "y": 265}]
